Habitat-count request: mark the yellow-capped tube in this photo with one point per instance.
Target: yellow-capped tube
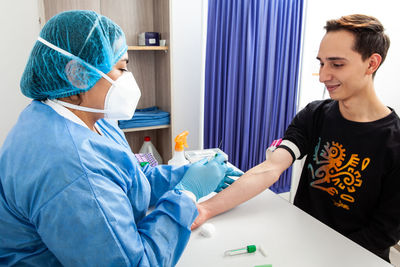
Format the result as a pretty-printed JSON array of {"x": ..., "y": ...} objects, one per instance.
[{"x": 178, "y": 158}]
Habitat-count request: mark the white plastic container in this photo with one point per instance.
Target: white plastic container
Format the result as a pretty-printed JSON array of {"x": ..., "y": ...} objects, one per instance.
[
  {"x": 148, "y": 147},
  {"x": 178, "y": 158}
]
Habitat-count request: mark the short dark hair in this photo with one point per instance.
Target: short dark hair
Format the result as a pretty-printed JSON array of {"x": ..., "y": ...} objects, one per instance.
[{"x": 368, "y": 32}]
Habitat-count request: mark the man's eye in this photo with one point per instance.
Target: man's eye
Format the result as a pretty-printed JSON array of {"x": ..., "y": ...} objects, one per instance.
[
  {"x": 123, "y": 69},
  {"x": 338, "y": 65}
]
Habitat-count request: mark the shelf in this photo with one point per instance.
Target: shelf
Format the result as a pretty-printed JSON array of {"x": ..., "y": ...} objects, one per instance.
[
  {"x": 146, "y": 128},
  {"x": 139, "y": 47}
]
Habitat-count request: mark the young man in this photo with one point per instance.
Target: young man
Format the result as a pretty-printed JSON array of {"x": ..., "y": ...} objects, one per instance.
[{"x": 351, "y": 177}]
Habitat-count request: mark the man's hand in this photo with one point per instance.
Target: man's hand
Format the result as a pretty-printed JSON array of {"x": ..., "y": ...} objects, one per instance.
[{"x": 203, "y": 216}]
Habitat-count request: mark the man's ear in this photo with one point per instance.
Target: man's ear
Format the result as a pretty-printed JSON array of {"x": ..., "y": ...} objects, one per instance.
[{"x": 374, "y": 61}]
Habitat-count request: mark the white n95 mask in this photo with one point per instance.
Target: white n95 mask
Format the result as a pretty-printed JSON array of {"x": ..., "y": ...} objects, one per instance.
[{"x": 121, "y": 99}]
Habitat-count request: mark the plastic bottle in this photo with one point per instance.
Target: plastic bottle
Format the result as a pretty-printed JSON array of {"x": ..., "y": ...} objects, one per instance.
[
  {"x": 178, "y": 158},
  {"x": 148, "y": 147}
]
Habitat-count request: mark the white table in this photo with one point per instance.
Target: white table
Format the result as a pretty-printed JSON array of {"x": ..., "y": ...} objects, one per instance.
[{"x": 290, "y": 237}]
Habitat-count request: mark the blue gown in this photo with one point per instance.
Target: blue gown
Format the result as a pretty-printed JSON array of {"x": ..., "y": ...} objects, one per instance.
[{"x": 70, "y": 196}]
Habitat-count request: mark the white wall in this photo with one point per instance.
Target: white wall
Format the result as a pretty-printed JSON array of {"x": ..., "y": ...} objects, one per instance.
[
  {"x": 19, "y": 30},
  {"x": 188, "y": 28},
  {"x": 317, "y": 13}
]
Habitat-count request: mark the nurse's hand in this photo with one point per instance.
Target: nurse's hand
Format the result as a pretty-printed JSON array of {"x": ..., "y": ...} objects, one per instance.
[
  {"x": 227, "y": 181},
  {"x": 203, "y": 177}
]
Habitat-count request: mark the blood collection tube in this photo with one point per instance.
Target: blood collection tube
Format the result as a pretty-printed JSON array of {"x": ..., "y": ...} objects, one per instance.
[{"x": 247, "y": 249}]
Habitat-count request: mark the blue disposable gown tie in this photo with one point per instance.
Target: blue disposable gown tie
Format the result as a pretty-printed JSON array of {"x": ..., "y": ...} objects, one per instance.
[{"x": 70, "y": 196}]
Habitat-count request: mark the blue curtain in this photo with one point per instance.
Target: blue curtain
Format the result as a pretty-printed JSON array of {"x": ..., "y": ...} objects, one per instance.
[{"x": 252, "y": 67}]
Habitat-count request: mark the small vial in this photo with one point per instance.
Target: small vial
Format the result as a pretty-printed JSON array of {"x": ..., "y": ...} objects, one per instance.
[{"x": 248, "y": 249}]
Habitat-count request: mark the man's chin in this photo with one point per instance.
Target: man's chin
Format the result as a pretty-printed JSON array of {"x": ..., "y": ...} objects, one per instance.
[{"x": 334, "y": 95}]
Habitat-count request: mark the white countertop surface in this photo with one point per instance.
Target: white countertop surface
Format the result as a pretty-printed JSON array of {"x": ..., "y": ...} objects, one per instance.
[{"x": 289, "y": 236}]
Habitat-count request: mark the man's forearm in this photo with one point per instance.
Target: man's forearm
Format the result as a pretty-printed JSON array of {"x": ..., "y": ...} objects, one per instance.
[
  {"x": 246, "y": 187},
  {"x": 250, "y": 184}
]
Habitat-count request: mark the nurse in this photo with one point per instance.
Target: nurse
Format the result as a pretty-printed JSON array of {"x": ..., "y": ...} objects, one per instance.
[{"x": 71, "y": 190}]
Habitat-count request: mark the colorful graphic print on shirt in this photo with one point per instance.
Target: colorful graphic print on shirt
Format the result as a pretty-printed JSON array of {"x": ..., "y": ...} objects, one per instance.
[{"x": 336, "y": 174}]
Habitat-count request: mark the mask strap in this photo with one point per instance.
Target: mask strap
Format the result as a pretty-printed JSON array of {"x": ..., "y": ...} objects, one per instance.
[
  {"x": 68, "y": 54},
  {"x": 69, "y": 105}
]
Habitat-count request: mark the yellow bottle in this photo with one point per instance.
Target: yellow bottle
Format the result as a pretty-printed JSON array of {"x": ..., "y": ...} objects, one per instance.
[{"x": 178, "y": 158}]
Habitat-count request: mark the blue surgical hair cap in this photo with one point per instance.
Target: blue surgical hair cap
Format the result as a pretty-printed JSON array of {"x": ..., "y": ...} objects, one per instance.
[{"x": 94, "y": 41}]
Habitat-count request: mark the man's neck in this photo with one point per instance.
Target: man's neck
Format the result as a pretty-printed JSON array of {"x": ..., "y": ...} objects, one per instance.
[{"x": 365, "y": 107}]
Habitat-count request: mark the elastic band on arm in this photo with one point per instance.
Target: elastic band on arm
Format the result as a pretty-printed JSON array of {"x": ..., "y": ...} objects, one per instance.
[{"x": 291, "y": 148}]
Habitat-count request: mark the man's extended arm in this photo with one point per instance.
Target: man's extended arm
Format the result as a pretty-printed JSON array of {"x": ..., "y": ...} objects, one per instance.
[{"x": 253, "y": 182}]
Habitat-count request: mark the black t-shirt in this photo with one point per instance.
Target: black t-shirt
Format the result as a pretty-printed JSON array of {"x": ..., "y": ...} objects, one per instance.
[{"x": 351, "y": 177}]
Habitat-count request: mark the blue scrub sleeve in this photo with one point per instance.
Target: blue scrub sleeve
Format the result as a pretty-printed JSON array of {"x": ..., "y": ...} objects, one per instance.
[
  {"x": 94, "y": 225},
  {"x": 163, "y": 178}
]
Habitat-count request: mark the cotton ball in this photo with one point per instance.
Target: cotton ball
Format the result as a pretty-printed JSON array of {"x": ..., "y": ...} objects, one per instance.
[
  {"x": 207, "y": 230},
  {"x": 262, "y": 250}
]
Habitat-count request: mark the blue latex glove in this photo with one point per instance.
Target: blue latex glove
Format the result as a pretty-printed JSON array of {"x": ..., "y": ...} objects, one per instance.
[
  {"x": 203, "y": 177},
  {"x": 227, "y": 181}
]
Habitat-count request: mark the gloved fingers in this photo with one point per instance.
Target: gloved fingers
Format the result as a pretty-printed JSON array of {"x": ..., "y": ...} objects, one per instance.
[
  {"x": 224, "y": 186},
  {"x": 219, "y": 158},
  {"x": 218, "y": 163},
  {"x": 220, "y": 187},
  {"x": 234, "y": 173},
  {"x": 228, "y": 181},
  {"x": 221, "y": 183}
]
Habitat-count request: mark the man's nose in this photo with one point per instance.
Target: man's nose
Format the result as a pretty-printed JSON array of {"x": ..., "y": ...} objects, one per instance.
[{"x": 324, "y": 75}]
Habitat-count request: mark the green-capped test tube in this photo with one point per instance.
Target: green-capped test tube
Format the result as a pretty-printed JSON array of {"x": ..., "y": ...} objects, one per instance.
[{"x": 247, "y": 249}]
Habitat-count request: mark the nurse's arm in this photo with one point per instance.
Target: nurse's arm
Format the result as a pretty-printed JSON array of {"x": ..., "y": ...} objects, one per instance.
[{"x": 250, "y": 184}]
